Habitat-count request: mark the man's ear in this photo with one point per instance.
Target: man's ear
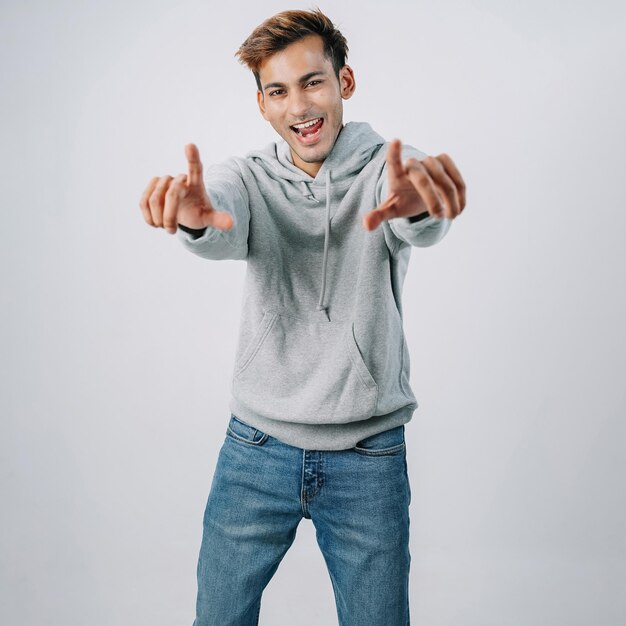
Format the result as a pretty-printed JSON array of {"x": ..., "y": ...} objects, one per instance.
[
  {"x": 347, "y": 83},
  {"x": 261, "y": 102}
]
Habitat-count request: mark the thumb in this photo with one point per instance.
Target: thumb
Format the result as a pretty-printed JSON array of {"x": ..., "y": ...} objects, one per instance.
[{"x": 221, "y": 220}]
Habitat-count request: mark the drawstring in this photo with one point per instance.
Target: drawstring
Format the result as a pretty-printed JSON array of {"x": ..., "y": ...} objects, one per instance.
[
  {"x": 320, "y": 305},
  {"x": 306, "y": 190}
]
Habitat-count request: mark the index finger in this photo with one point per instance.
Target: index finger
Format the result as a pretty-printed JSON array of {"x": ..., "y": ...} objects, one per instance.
[
  {"x": 394, "y": 162},
  {"x": 195, "y": 165}
]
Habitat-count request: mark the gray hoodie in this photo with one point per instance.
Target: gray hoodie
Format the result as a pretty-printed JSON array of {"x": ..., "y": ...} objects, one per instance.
[{"x": 321, "y": 360}]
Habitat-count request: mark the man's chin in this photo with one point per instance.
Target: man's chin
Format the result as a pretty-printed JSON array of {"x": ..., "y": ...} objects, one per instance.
[
  {"x": 315, "y": 154},
  {"x": 312, "y": 158}
]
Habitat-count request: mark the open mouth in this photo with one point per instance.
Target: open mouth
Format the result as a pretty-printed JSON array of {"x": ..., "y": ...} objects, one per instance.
[{"x": 308, "y": 132}]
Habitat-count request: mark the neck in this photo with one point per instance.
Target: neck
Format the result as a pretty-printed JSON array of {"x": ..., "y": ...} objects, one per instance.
[{"x": 312, "y": 168}]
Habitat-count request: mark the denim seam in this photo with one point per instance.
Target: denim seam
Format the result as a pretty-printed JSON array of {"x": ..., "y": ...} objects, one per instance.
[
  {"x": 233, "y": 434},
  {"x": 383, "y": 452}
]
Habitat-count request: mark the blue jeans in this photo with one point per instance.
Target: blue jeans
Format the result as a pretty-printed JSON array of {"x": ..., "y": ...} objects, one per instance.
[{"x": 358, "y": 500}]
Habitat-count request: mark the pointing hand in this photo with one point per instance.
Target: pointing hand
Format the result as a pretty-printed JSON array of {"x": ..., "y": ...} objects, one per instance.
[
  {"x": 168, "y": 201},
  {"x": 432, "y": 185}
]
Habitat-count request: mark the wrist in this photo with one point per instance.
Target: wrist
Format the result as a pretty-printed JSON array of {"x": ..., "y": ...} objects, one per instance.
[
  {"x": 194, "y": 232},
  {"x": 418, "y": 217}
]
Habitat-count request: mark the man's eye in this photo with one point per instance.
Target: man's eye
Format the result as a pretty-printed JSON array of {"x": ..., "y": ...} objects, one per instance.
[
  {"x": 275, "y": 92},
  {"x": 314, "y": 82}
]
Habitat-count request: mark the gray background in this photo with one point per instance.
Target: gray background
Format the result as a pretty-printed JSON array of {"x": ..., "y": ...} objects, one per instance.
[{"x": 117, "y": 344}]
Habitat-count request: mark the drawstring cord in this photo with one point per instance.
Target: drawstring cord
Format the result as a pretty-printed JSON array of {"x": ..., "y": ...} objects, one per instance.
[{"x": 320, "y": 305}]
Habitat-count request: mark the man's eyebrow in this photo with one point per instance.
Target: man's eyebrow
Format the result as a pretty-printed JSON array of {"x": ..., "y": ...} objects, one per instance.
[{"x": 302, "y": 79}]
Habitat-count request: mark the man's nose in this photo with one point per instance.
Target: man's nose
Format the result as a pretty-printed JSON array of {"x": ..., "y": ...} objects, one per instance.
[{"x": 298, "y": 105}]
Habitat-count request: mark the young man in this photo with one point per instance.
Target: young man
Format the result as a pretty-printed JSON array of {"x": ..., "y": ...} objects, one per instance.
[{"x": 325, "y": 219}]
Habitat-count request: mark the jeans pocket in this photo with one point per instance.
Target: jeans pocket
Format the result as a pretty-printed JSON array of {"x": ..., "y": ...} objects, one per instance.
[
  {"x": 238, "y": 430},
  {"x": 388, "y": 443}
]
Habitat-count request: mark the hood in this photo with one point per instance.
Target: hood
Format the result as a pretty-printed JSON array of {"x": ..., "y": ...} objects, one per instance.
[{"x": 353, "y": 149}]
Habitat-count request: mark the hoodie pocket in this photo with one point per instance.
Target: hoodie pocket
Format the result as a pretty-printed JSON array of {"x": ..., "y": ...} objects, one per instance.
[{"x": 305, "y": 370}]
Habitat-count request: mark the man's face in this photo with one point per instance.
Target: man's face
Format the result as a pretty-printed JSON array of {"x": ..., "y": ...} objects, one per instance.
[{"x": 299, "y": 85}]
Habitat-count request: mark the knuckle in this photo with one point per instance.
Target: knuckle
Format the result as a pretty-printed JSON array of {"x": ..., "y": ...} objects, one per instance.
[
  {"x": 156, "y": 219},
  {"x": 421, "y": 179},
  {"x": 450, "y": 188}
]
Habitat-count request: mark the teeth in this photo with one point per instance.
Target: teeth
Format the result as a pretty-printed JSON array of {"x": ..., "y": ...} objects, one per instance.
[{"x": 307, "y": 124}]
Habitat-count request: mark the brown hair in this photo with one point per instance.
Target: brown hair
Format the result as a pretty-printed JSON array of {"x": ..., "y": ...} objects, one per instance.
[{"x": 284, "y": 28}]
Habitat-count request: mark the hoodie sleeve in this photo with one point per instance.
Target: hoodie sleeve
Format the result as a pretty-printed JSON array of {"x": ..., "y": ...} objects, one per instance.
[
  {"x": 226, "y": 189},
  {"x": 421, "y": 231}
]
